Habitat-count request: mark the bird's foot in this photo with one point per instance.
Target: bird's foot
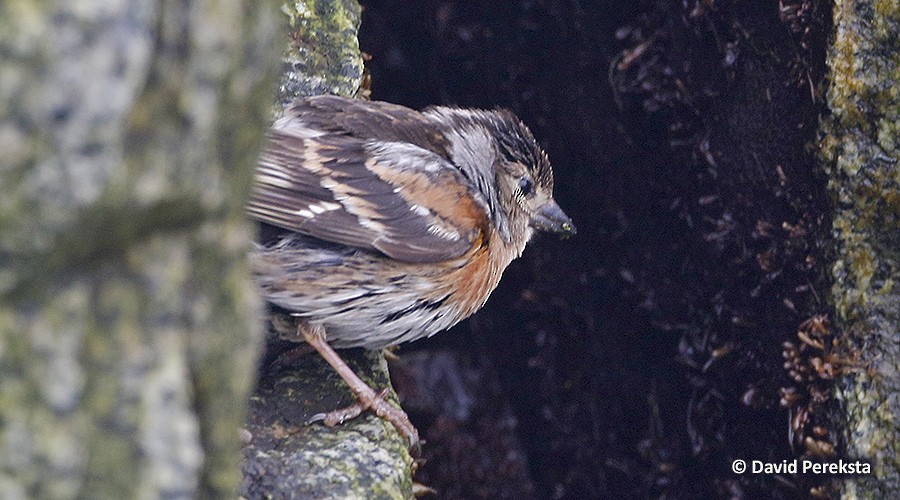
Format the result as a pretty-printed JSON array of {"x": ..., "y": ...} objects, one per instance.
[{"x": 378, "y": 405}]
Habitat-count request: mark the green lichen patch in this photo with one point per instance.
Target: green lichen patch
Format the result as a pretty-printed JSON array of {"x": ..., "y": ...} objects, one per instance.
[{"x": 323, "y": 56}]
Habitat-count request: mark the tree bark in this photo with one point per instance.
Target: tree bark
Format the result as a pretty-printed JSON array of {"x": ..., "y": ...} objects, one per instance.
[
  {"x": 861, "y": 149},
  {"x": 128, "y": 322}
]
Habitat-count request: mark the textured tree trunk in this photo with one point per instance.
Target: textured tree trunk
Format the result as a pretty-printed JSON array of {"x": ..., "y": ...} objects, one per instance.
[
  {"x": 861, "y": 151},
  {"x": 128, "y": 323}
]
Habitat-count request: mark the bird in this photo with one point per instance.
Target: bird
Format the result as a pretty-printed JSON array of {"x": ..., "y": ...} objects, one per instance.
[{"x": 380, "y": 224}]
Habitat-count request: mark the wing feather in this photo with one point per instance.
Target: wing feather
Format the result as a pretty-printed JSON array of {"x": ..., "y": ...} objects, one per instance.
[
  {"x": 405, "y": 201},
  {"x": 365, "y": 120}
]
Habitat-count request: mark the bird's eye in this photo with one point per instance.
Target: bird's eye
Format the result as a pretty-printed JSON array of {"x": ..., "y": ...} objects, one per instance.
[{"x": 526, "y": 185}]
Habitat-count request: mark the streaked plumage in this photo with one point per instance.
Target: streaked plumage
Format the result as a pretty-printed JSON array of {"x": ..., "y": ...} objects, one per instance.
[{"x": 383, "y": 224}]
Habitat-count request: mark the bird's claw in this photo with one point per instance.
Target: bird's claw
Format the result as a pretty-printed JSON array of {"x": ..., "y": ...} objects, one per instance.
[{"x": 380, "y": 407}]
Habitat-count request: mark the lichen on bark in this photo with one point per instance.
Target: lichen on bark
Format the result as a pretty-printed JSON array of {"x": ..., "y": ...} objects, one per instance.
[
  {"x": 285, "y": 457},
  {"x": 323, "y": 53},
  {"x": 861, "y": 150}
]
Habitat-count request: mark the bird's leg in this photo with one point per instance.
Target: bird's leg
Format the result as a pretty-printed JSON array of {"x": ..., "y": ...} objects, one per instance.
[{"x": 367, "y": 398}]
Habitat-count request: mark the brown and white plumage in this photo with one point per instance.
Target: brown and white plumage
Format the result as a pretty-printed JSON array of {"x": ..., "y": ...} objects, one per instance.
[{"x": 383, "y": 224}]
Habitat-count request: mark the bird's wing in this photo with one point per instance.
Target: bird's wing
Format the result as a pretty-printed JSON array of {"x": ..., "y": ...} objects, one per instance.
[
  {"x": 365, "y": 120},
  {"x": 394, "y": 197}
]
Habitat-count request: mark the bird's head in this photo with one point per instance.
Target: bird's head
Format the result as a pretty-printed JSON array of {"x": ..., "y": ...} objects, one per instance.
[
  {"x": 524, "y": 178},
  {"x": 506, "y": 165}
]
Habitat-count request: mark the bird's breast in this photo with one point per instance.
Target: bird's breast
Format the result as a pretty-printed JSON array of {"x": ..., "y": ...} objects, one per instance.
[{"x": 477, "y": 274}]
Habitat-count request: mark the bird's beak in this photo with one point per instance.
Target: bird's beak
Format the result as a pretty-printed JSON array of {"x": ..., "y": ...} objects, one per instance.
[{"x": 551, "y": 218}]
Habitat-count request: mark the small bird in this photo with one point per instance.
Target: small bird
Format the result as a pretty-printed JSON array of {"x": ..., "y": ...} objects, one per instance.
[{"x": 381, "y": 224}]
